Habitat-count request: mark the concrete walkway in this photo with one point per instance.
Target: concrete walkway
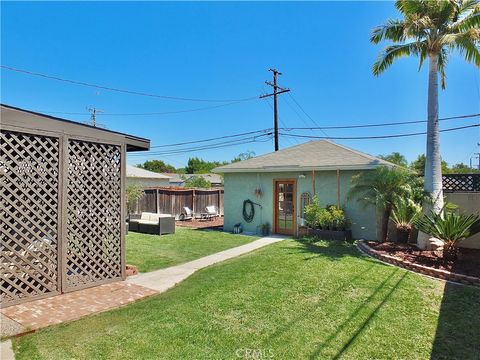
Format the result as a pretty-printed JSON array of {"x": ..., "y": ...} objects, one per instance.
[
  {"x": 6, "y": 351},
  {"x": 164, "y": 279}
]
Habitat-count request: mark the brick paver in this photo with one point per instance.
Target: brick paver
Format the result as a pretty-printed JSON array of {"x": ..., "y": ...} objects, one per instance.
[{"x": 71, "y": 306}]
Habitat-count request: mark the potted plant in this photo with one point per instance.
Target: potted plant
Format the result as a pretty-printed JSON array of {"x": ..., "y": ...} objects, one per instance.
[
  {"x": 404, "y": 212},
  {"x": 450, "y": 227},
  {"x": 327, "y": 223},
  {"x": 265, "y": 228}
]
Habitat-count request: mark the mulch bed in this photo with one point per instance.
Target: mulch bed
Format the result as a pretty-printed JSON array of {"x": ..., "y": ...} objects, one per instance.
[
  {"x": 201, "y": 224},
  {"x": 468, "y": 262}
]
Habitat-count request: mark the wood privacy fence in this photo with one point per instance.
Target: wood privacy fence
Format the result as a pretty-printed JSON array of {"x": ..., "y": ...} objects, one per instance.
[{"x": 172, "y": 201}]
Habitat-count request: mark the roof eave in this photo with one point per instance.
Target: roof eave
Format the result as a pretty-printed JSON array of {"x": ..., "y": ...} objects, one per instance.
[{"x": 222, "y": 170}]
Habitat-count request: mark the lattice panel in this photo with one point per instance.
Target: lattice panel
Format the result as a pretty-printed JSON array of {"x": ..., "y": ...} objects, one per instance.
[
  {"x": 461, "y": 182},
  {"x": 305, "y": 199},
  {"x": 93, "y": 213},
  {"x": 28, "y": 216}
]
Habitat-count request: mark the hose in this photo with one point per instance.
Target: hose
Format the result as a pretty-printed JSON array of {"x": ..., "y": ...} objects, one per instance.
[{"x": 248, "y": 215}]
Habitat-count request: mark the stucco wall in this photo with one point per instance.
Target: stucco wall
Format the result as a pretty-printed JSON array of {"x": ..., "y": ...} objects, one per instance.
[
  {"x": 470, "y": 204},
  {"x": 147, "y": 182},
  {"x": 241, "y": 186}
]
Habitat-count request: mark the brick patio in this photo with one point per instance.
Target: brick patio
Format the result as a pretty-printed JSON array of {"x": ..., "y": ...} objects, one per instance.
[{"x": 71, "y": 306}]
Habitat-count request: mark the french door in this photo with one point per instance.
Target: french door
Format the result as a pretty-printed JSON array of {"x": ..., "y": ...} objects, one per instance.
[{"x": 284, "y": 207}]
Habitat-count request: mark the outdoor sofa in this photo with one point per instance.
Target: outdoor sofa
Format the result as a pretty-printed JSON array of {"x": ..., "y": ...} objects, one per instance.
[{"x": 152, "y": 223}]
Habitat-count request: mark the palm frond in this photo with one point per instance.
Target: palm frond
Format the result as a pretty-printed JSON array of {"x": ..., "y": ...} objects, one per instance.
[
  {"x": 466, "y": 43},
  {"x": 393, "y": 52},
  {"x": 393, "y": 30},
  {"x": 442, "y": 64}
]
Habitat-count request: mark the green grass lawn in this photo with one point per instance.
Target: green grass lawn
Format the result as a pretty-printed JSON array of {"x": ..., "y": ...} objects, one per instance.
[
  {"x": 292, "y": 300},
  {"x": 152, "y": 252}
]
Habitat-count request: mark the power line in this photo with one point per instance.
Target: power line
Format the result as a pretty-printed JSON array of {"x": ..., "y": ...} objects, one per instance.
[
  {"x": 375, "y": 137},
  {"x": 212, "y": 139},
  {"x": 303, "y": 110},
  {"x": 258, "y": 138},
  {"x": 131, "y": 92},
  {"x": 381, "y": 124},
  {"x": 146, "y": 113}
]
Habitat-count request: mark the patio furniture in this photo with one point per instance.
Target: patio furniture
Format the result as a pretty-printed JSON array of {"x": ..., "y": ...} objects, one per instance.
[
  {"x": 186, "y": 214},
  {"x": 152, "y": 223},
  {"x": 210, "y": 213}
]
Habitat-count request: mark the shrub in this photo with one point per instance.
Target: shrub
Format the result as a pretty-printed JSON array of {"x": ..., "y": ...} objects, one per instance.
[
  {"x": 330, "y": 217},
  {"x": 450, "y": 227}
]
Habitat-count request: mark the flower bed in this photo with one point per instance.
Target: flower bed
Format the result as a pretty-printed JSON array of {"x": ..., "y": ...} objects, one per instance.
[{"x": 465, "y": 270}]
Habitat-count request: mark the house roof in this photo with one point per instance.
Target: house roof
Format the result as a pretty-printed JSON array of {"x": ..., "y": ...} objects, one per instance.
[
  {"x": 17, "y": 119},
  {"x": 135, "y": 172},
  {"x": 181, "y": 178},
  {"x": 312, "y": 155}
]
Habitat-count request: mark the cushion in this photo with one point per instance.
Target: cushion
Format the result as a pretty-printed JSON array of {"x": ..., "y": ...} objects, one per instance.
[
  {"x": 145, "y": 216},
  {"x": 149, "y": 222}
]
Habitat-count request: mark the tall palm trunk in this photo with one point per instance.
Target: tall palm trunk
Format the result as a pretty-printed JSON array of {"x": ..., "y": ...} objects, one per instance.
[{"x": 433, "y": 163}]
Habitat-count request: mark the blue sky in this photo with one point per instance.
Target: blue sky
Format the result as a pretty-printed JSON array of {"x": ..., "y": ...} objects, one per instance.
[{"x": 223, "y": 51}]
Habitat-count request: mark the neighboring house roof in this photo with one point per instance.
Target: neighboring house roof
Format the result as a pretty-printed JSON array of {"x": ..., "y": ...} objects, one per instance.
[
  {"x": 135, "y": 172},
  {"x": 312, "y": 155},
  {"x": 181, "y": 178},
  {"x": 21, "y": 118}
]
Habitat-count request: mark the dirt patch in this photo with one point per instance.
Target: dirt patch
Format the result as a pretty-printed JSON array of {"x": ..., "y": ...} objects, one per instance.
[
  {"x": 468, "y": 262},
  {"x": 202, "y": 224}
]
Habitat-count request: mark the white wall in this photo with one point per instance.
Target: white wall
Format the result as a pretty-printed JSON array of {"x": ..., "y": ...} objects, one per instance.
[{"x": 470, "y": 204}]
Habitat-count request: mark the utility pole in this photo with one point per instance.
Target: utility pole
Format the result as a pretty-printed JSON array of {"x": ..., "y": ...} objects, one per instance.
[
  {"x": 93, "y": 117},
  {"x": 276, "y": 91}
]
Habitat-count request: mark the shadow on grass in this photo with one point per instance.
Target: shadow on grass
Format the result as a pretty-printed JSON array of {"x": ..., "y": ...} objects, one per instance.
[
  {"x": 330, "y": 249},
  {"x": 354, "y": 314},
  {"x": 458, "y": 328},
  {"x": 308, "y": 313}
]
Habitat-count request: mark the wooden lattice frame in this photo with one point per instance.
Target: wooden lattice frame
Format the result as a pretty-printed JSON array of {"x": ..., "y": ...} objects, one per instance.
[
  {"x": 461, "y": 182},
  {"x": 305, "y": 199},
  {"x": 93, "y": 247},
  {"x": 29, "y": 176}
]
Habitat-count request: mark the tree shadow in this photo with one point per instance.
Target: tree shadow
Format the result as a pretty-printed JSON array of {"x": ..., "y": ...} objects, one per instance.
[
  {"x": 307, "y": 313},
  {"x": 329, "y": 249},
  {"x": 458, "y": 328},
  {"x": 354, "y": 314}
]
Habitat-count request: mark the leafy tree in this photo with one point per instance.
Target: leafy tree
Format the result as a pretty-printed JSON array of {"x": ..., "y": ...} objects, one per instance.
[
  {"x": 462, "y": 168},
  {"x": 244, "y": 156},
  {"x": 431, "y": 30},
  {"x": 196, "y": 165},
  {"x": 198, "y": 182},
  {"x": 157, "y": 166},
  {"x": 133, "y": 193},
  {"x": 382, "y": 187},
  {"x": 419, "y": 165},
  {"x": 395, "y": 158}
]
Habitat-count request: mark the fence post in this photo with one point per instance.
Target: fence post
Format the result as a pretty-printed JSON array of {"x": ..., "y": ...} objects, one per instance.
[{"x": 193, "y": 201}]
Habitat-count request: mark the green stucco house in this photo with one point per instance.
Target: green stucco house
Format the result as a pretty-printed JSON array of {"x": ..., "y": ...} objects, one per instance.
[{"x": 282, "y": 182}]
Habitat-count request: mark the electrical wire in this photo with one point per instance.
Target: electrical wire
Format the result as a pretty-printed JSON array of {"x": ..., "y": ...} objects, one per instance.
[
  {"x": 131, "y": 92},
  {"x": 145, "y": 113},
  {"x": 208, "y": 147},
  {"x": 375, "y": 137},
  {"x": 212, "y": 139},
  {"x": 381, "y": 124},
  {"x": 303, "y": 110}
]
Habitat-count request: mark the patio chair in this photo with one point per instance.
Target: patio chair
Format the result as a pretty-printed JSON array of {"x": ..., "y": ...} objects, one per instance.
[
  {"x": 210, "y": 213},
  {"x": 186, "y": 214}
]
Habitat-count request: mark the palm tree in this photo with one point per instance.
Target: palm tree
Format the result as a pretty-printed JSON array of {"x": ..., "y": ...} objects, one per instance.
[
  {"x": 381, "y": 188},
  {"x": 431, "y": 29}
]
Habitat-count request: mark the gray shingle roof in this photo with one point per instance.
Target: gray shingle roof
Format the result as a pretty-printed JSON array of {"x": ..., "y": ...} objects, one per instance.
[
  {"x": 312, "y": 155},
  {"x": 135, "y": 172}
]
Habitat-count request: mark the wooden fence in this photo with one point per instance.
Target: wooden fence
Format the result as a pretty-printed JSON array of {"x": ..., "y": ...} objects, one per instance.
[{"x": 172, "y": 201}]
